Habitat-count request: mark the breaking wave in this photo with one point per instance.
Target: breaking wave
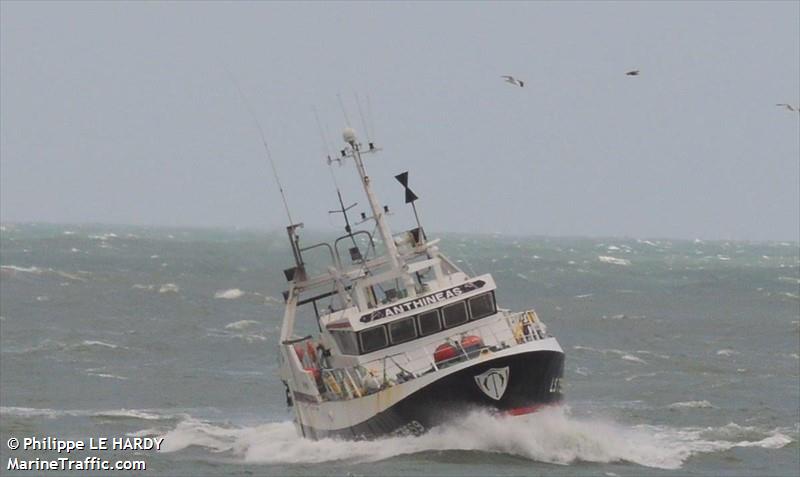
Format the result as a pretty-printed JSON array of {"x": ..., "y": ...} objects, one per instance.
[
  {"x": 141, "y": 414},
  {"x": 691, "y": 404},
  {"x": 550, "y": 436},
  {"x": 240, "y": 325},
  {"x": 231, "y": 294}
]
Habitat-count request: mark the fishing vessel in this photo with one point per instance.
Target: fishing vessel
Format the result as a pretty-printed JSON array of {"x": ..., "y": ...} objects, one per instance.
[{"x": 403, "y": 339}]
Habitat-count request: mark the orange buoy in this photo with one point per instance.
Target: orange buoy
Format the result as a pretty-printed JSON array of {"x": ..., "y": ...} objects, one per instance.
[
  {"x": 444, "y": 352},
  {"x": 471, "y": 345},
  {"x": 471, "y": 342}
]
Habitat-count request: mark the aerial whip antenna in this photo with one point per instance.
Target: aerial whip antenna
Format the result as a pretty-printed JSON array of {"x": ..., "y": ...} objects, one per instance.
[
  {"x": 344, "y": 111},
  {"x": 363, "y": 122},
  {"x": 266, "y": 145},
  {"x": 369, "y": 116}
]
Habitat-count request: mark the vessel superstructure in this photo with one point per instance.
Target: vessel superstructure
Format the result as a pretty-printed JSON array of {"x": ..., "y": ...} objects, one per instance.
[{"x": 404, "y": 339}]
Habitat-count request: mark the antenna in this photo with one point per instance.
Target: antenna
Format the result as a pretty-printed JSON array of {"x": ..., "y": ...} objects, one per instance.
[
  {"x": 266, "y": 146},
  {"x": 369, "y": 116},
  {"x": 326, "y": 147},
  {"x": 363, "y": 123},
  {"x": 344, "y": 111}
]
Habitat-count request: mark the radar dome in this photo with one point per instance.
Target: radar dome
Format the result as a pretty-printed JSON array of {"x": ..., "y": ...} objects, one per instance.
[{"x": 349, "y": 135}]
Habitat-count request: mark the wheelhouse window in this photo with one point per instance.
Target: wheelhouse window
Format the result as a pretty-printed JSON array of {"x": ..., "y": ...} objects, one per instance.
[
  {"x": 454, "y": 315},
  {"x": 481, "y": 306},
  {"x": 402, "y": 330},
  {"x": 346, "y": 341},
  {"x": 373, "y": 339},
  {"x": 429, "y": 323}
]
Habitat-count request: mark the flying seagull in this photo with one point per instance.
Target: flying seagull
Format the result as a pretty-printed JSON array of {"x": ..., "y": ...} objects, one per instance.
[
  {"x": 632, "y": 73},
  {"x": 788, "y": 106},
  {"x": 514, "y": 81}
]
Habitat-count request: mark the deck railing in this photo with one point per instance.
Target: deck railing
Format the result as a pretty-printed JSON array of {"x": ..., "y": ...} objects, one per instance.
[{"x": 390, "y": 370}]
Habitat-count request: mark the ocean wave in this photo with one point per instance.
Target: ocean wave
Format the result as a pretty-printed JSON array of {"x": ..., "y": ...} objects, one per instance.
[
  {"x": 47, "y": 345},
  {"x": 634, "y": 359},
  {"x": 239, "y": 325},
  {"x": 17, "y": 269},
  {"x": 169, "y": 288},
  {"x": 229, "y": 333},
  {"x": 691, "y": 405},
  {"x": 93, "y": 344},
  {"x": 550, "y": 436},
  {"x": 727, "y": 352},
  {"x": 140, "y": 414},
  {"x": 103, "y": 237},
  {"x": 12, "y": 270},
  {"x": 231, "y": 294},
  {"x": 613, "y": 260},
  {"x": 108, "y": 376}
]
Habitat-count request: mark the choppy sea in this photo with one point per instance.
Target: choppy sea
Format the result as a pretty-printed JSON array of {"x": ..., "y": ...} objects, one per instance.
[{"x": 682, "y": 356}]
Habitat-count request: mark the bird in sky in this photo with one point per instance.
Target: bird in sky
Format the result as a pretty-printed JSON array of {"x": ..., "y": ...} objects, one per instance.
[
  {"x": 514, "y": 81},
  {"x": 788, "y": 106},
  {"x": 632, "y": 73}
]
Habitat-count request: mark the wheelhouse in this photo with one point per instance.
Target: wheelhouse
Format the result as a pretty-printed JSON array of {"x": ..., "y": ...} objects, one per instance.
[{"x": 409, "y": 328}]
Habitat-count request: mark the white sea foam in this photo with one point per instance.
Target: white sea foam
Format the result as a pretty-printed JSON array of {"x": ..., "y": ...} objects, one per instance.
[
  {"x": 144, "y": 414},
  {"x": 88, "y": 344},
  {"x": 17, "y": 269},
  {"x": 614, "y": 260},
  {"x": 231, "y": 294},
  {"x": 242, "y": 324},
  {"x": 169, "y": 288},
  {"x": 550, "y": 436},
  {"x": 727, "y": 352},
  {"x": 109, "y": 376},
  {"x": 691, "y": 404},
  {"x": 103, "y": 237},
  {"x": 139, "y": 286},
  {"x": 14, "y": 269},
  {"x": 637, "y": 376},
  {"x": 635, "y": 359}
]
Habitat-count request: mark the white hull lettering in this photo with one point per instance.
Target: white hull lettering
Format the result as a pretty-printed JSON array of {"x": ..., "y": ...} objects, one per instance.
[{"x": 424, "y": 301}]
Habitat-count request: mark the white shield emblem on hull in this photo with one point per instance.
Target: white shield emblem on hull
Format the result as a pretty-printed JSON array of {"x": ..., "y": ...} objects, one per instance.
[{"x": 493, "y": 382}]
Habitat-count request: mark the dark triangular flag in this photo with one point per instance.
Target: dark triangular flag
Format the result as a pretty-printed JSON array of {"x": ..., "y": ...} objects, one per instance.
[{"x": 402, "y": 178}]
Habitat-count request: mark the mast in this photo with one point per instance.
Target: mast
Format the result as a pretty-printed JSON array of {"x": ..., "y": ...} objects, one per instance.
[{"x": 349, "y": 136}]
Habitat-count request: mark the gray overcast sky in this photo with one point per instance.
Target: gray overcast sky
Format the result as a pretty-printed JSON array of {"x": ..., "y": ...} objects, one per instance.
[{"x": 124, "y": 113}]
